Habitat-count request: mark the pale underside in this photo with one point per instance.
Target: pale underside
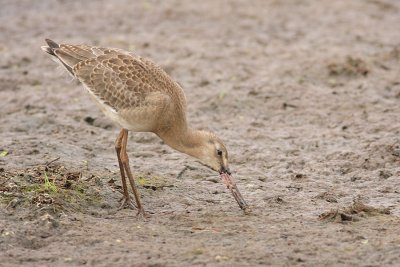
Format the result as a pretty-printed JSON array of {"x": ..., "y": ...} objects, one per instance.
[{"x": 132, "y": 91}]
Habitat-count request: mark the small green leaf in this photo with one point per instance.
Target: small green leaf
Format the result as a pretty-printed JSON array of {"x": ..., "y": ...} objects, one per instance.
[
  {"x": 3, "y": 153},
  {"x": 49, "y": 186}
]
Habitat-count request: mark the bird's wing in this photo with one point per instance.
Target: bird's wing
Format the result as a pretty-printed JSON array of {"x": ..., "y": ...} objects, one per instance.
[
  {"x": 71, "y": 55},
  {"x": 119, "y": 80}
]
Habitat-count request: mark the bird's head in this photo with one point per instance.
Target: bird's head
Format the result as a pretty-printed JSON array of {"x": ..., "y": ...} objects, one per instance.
[{"x": 212, "y": 153}]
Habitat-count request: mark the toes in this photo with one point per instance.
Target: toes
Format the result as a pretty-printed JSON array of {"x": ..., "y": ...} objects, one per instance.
[
  {"x": 142, "y": 214},
  {"x": 127, "y": 203}
]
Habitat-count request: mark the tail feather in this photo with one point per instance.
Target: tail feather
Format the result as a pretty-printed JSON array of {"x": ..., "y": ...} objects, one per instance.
[
  {"x": 51, "y": 47},
  {"x": 52, "y": 50},
  {"x": 52, "y": 44},
  {"x": 66, "y": 58},
  {"x": 48, "y": 50}
]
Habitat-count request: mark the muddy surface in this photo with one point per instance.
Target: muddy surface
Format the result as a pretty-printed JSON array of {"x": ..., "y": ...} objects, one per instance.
[{"x": 305, "y": 94}]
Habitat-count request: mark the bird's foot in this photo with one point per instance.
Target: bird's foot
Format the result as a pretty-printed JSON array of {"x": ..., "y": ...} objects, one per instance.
[
  {"x": 127, "y": 202},
  {"x": 142, "y": 214}
]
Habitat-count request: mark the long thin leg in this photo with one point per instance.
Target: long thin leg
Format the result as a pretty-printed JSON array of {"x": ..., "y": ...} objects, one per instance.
[
  {"x": 126, "y": 199},
  {"x": 125, "y": 163}
]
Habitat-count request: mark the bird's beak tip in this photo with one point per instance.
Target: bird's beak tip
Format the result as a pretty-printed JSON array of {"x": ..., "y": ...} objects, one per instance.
[{"x": 231, "y": 185}]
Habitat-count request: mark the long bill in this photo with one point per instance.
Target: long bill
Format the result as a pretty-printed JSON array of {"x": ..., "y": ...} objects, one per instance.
[{"x": 231, "y": 185}]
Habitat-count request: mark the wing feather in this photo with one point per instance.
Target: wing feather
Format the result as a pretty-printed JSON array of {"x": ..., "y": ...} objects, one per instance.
[
  {"x": 118, "y": 80},
  {"x": 121, "y": 80}
]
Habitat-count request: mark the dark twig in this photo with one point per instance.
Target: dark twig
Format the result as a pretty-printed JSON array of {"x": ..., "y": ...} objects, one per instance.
[
  {"x": 180, "y": 174},
  {"x": 187, "y": 167},
  {"x": 50, "y": 162}
]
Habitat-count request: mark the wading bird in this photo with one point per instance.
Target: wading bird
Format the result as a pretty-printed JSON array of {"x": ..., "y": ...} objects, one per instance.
[{"x": 139, "y": 96}]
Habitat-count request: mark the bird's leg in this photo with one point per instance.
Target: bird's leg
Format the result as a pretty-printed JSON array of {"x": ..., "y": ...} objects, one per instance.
[
  {"x": 125, "y": 163},
  {"x": 126, "y": 199}
]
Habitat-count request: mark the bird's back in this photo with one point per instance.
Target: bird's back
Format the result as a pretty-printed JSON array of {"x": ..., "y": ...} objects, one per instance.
[{"x": 131, "y": 90}]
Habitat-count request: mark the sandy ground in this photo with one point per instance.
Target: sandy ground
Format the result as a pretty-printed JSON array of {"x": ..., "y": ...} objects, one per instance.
[{"x": 305, "y": 94}]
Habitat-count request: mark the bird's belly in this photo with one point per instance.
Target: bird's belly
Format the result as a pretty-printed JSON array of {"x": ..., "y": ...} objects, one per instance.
[{"x": 133, "y": 124}]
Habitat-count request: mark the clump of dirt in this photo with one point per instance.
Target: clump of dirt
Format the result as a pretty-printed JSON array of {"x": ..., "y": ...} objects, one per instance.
[
  {"x": 351, "y": 67},
  {"x": 328, "y": 196},
  {"x": 353, "y": 213},
  {"x": 50, "y": 188}
]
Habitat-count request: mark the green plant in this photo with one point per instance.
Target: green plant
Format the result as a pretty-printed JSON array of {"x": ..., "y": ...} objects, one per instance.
[{"x": 49, "y": 186}]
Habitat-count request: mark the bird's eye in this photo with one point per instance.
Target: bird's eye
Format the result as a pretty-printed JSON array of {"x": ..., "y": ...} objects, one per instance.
[{"x": 219, "y": 152}]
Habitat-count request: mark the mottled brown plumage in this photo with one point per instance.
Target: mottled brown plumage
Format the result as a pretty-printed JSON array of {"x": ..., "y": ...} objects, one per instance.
[
  {"x": 135, "y": 88},
  {"x": 139, "y": 96}
]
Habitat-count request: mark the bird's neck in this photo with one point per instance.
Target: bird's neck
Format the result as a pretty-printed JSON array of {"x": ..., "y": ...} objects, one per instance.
[{"x": 185, "y": 140}]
